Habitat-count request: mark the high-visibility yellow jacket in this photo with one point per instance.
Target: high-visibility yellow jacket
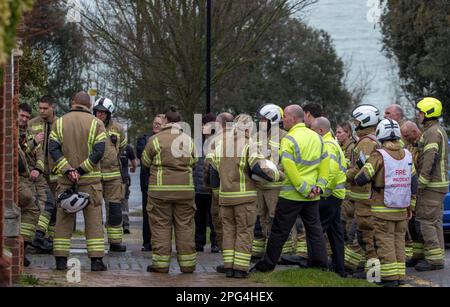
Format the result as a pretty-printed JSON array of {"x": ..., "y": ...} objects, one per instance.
[
  {"x": 337, "y": 177},
  {"x": 116, "y": 141},
  {"x": 366, "y": 145},
  {"x": 305, "y": 163},
  {"x": 433, "y": 158},
  {"x": 38, "y": 125},
  {"x": 170, "y": 155},
  {"x": 77, "y": 141}
]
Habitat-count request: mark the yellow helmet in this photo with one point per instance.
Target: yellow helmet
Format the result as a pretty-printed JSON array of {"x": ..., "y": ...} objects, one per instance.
[{"x": 432, "y": 107}]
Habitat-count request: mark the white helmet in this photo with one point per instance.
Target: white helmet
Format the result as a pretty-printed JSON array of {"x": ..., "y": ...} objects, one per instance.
[
  {"x": 388, "y": 130},
  {"x": 72, "y": 201},
  {"x": 271, "y": 112},
  {"x": 104, "y": 104},
  {"x": 367, "y": 115},
  {"x": 264, "y": 164}
]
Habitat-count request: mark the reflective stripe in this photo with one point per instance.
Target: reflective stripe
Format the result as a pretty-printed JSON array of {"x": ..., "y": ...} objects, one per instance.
[
  {"x": 100, "y": 137},
  {"x": 383, "y": 209},
  {"x": 171, "y": 188},
  {"x": 61, "y": 164},
  {"x": 60, "y": 244},
  {"x": 444, "y": 173},
  {"x": 288, "y": 156},
  {"x": 322, "y": 181},
  {"x": 88, "y": 165},
  {"x": 27, "y": 230},
  {"x": 273, "y": 184},
  {"x": 40, "y": 164},
  {"x": 362, "y": 196},
  {"x": 146, "y": 159},
  {"x": 241, "y": 169},
  {"x": 91, "y": 137},
  {"x": 228, "y": 256},
  {"x": 43, "y": 221},
  {"x": 160, "y": 262},
  {"x": 423, "y": 180},
  {"x": 302, "y": 189},
  {"x": 158, "y": 162},
  {"x": 299, "y": 160},
  {"x": 242, "y": 259},
  {"x": 92, "y": 175},
  {"x": 431, "y": 146},
  {"x": 114, "y": 233},
  {"x": 95, "y": 245},
  {"x": 111, "y": 175},
  {"x": 438, "y": 184},
  {"x": 237, "y": 194},
  {"x": 338, "y": 187},
  {"x": 189, "y": 260},
  {"x": 370, "y": 169},
  {"x": 338, "y": 161}
]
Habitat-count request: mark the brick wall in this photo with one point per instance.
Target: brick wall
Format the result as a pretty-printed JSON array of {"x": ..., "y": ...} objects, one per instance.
[{"x": 10, "y": 269}]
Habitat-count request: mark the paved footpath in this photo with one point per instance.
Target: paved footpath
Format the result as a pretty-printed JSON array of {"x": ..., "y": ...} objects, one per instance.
[{"x": 129, "y": 269}]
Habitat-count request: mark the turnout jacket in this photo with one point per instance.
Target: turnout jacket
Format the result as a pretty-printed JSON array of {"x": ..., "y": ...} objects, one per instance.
[
  {"x": 366, "y": 145},
  {"x": 77, "y": 141},
  {"x": 116, "y": 142},
  {"x": 236, "y": 158},
  {"x": 36, "y": 126},
  {"x": 373, "y": 173},
  {"x": 33, "y": 151},
  {"x": 170, "y": 155},
  {"x": 433, "y": 158}
]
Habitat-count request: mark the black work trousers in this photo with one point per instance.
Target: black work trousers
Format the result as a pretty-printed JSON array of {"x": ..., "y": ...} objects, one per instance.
[
  {"x": 286, "y": 215},
  {"x": 146, "y": 232},
  {"x": 330, "y": 218},
  {"x": 203, "y": 220}
]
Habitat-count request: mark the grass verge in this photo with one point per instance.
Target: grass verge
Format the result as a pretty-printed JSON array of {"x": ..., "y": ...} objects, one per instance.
[
  {"x": 307, "y": 278},
  {"x": 28, "y": 280}
]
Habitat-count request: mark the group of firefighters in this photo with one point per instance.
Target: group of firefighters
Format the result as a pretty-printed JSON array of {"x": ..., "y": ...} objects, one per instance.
[{"x": 370, "y": 191}]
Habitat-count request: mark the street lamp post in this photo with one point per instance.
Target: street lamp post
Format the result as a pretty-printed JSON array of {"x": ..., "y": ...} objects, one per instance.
[{"x": 208, "y": 56}]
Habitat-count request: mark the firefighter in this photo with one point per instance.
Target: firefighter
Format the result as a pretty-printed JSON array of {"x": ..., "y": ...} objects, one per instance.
[
  {"x": 112, "y": 180},
  {"x": 414, "y": 249},
  {"x": 271, "y": 116},
  {"x": 77, "y": 144},
  {"x": 171, "y": 195},
  {"x": 433, "y": 184},
  {"x": 305, "y": 163},
  {"x": 223, "y": 121},
  {"x": 40, "y": 128},
  {"x": 366, "y": 119},
  {"x": 344, "y": 135},
  {"x": 29, "y": 208},
  {"x": 392, "y": 174},
  {"x": 35, "y": 160},
  {"x": 238, "y": 194},
  {"x": 333, "y": 195}
]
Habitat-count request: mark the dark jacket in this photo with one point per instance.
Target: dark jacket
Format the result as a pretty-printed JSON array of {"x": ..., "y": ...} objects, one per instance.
[
  {"x": 198, "y": 177},
  {"x": 145, "y": 172}
]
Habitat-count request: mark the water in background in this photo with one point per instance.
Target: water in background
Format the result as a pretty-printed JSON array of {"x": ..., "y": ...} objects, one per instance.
[{"x": 358, "y": 39}]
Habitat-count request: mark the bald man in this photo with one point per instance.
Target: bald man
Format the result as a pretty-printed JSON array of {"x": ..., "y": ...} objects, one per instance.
[
  {"x": 395, "y": 112},
  {"x": 77, "y": 144},
  {"x": 414, "y": 249},
  {"x": 305, "y": 164},
  {"x": 334, "y": 194}
]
